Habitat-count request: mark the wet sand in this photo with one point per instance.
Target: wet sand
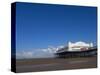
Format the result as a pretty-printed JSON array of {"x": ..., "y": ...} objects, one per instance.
[{"x": 50, "y": 64}]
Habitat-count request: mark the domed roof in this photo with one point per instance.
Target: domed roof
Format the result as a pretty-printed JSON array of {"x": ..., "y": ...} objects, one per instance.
[{"x": 80, "y": 43}]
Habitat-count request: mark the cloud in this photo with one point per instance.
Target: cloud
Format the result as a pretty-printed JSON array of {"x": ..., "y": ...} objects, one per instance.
[
  {"x": 24, "y": 54},
  {"x": 38, "y": 53}
]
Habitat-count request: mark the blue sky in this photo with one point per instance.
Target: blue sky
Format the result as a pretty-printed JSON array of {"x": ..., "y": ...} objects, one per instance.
[{"x": 40, "y": 26}]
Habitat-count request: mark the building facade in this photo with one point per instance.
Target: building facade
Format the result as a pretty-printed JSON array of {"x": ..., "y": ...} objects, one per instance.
[{"x": 78, "y": 46}]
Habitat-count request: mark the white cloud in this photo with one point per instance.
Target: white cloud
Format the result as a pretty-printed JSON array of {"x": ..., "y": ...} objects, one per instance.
[
  {"x": 24, "y": 54},
  {"x": 39, "y": 53}
]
